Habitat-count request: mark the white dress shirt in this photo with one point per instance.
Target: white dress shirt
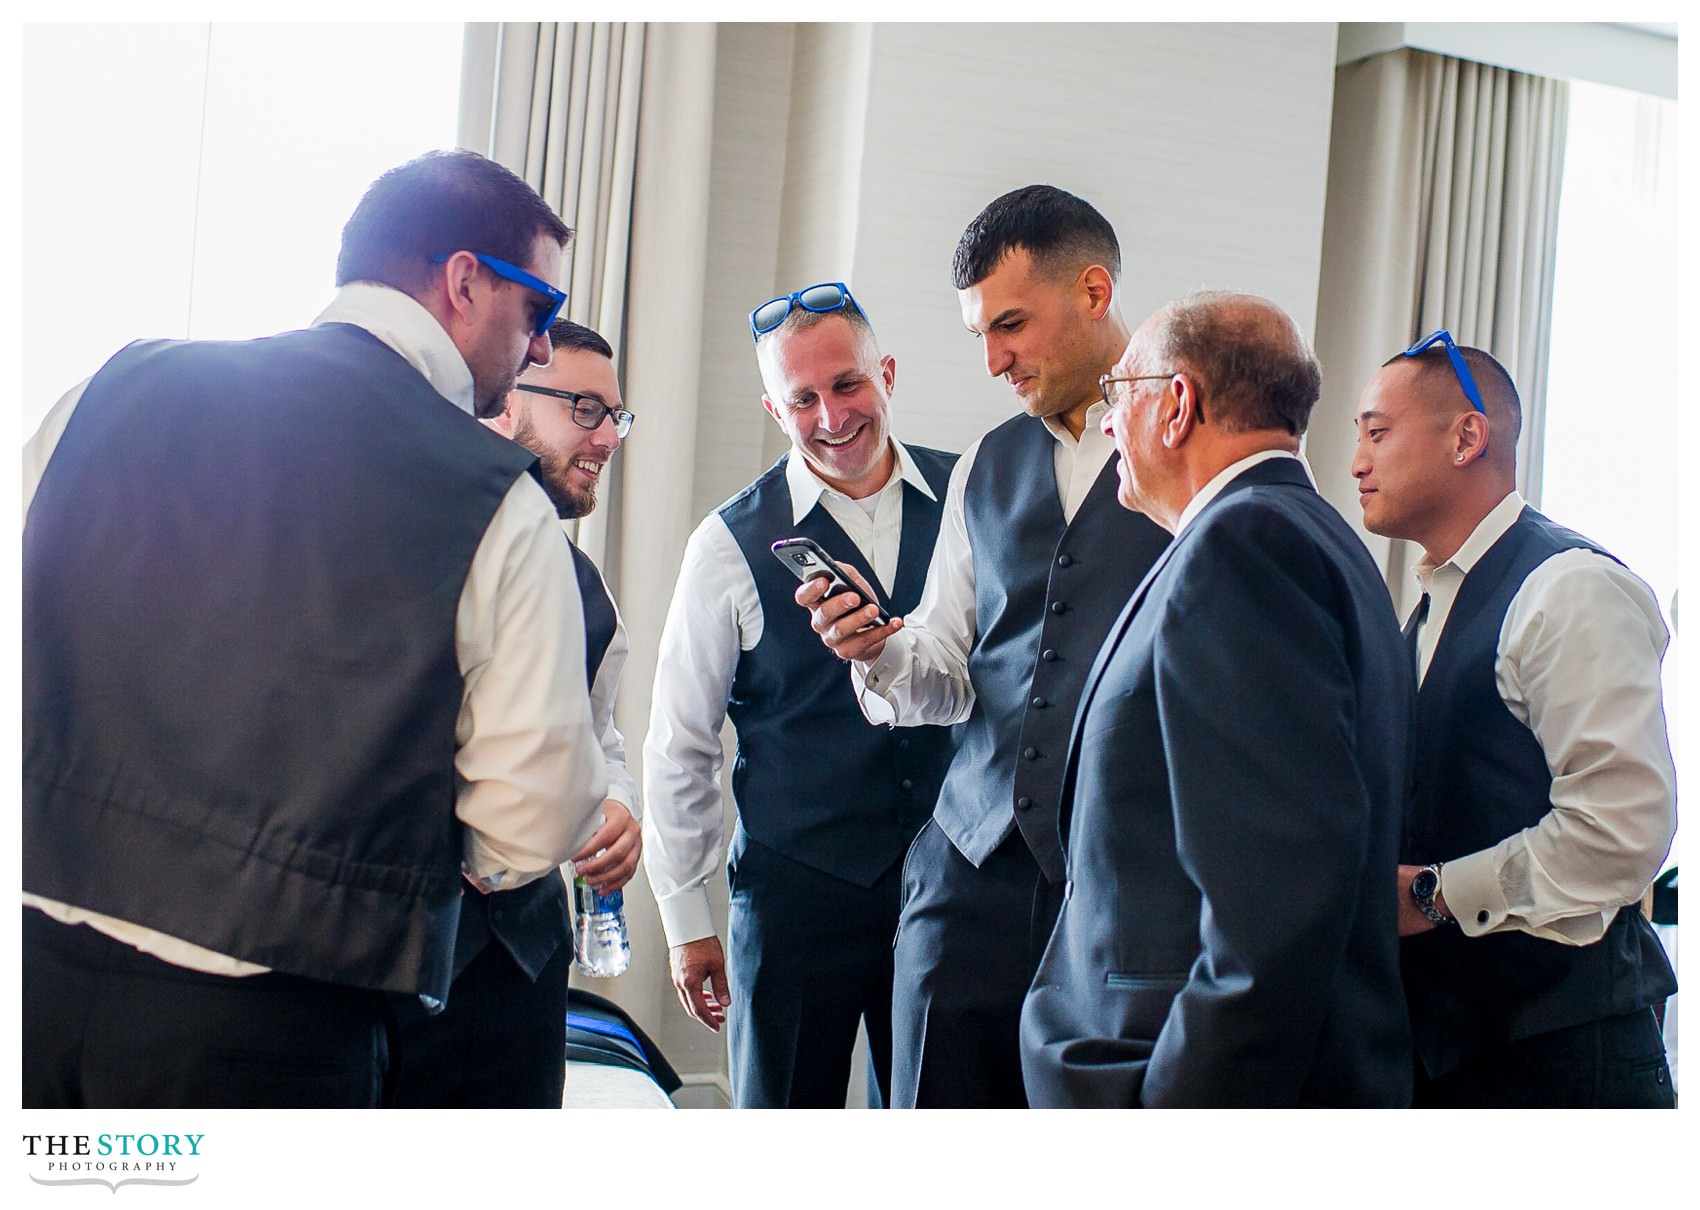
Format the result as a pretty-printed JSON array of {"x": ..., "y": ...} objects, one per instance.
[
  {"x": 1578, "y": 664},
  {"x": 622, "y": 786},
  {"x": 921, "y": 676},
  {"x": 532, "y": 775},
  {"x": 715, "y": 616}
]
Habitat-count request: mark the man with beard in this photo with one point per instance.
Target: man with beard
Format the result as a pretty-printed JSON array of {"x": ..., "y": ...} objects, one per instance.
[
  {"x": 1035, "y": 559},
  {"x": 303, "y": 651},
  {"x": 501, "y": 1041}
]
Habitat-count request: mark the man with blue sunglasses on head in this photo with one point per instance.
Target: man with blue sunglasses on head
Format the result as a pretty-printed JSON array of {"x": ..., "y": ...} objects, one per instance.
[
  {"x": 1545, "y": 795},
  {"x": 825, "y": 803},
  {"x": 304, "y": 660}
]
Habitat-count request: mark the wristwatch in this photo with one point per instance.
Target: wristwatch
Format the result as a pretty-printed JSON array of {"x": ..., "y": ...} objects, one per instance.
[{"x": 1424, "y": 887}]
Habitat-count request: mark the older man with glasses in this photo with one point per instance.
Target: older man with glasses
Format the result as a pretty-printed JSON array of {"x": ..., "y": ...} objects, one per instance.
[
  {"x": 1545, "y": 795},
  {"x": 826, "y": 803}
]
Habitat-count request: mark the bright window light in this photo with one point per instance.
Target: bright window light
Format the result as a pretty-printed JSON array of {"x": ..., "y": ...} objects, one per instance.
[{"x": 192, "y": 180}]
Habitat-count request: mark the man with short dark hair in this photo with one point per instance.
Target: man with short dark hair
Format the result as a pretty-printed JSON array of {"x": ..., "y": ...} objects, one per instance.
[
  {"x": 1545, "y": 794},
  {"x": 501, "y": 1041},
  {"x": 1238, "y": 764},
  {"x": 303, "y": 653},
  {"x": 1034, "y": 560},
  {"x": 825, "y": 802}
]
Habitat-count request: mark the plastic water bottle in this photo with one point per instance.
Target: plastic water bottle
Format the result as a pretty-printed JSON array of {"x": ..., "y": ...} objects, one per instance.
[{"x": 601, "y": 947}]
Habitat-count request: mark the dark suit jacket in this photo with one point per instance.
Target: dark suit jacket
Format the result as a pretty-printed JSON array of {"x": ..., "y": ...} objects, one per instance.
[{"x": 1237, "y": 773}]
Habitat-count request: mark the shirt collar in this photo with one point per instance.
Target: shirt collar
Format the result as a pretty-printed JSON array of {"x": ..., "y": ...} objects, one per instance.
[
  {"x": 1094, "y": 419},
  {"x": 1489, "y": 530},
  {"x": 410, "y": 330},
  {"x": 1227, "y": 475},
  {"x": 807, "y": 487}
]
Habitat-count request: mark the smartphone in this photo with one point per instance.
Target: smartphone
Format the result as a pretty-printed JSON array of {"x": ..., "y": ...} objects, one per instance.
[{"x": 808, "y": 561}]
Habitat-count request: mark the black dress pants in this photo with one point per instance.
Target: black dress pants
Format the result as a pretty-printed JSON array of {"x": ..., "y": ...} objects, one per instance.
[
  {"x": 968, "y": 944},
  {"x": 499, "y": 1043},
  {"x": 810, "y": 957},
  {"x": 107, "y": 1026},
  {"x": 1617, "y": 1063}
]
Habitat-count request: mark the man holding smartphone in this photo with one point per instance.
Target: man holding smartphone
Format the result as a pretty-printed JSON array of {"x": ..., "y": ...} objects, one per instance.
[
  {"x": 500, "y": 1043},
  {"x": 826, "y": 804}
]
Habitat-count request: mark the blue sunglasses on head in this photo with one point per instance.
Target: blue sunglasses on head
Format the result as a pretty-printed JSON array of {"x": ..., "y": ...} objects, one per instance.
[
  {"x": 826, "y": 296},
  {"x": 1466, "y": 379},
  {"x": 501, "y": 268}
]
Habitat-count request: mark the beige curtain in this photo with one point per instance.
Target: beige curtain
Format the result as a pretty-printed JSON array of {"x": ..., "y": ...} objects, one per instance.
[
  {"x": 613, "y": 124},
  {"x": 1442, "y": 212}
]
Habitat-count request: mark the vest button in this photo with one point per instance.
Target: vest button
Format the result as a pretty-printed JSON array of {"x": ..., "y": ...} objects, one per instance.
[
  {"x": 903, "y": 745},
  {"x": 1030, "y": 753},
  {"x": 1048, "y": 654},
  {"x": 906, "y": 784},
  {"x": 1039, "y": 703},
  {"x": 1058, "y": 607},
  {"x": 1024, "y": 802},
  {"x": 1064, "y": 560},
  {"x": 497, "y": 914}
]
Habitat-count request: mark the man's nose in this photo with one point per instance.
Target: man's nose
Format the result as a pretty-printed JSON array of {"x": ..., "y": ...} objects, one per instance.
[
  {"x": 540, "y": 350},
  {"x": 998, "y": 359},
  {"x": 1360, "y": 462}
]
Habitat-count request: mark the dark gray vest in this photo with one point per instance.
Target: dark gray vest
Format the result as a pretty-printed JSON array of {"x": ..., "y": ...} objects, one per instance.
[
  {"x": 241, "y": 575},
  {"x": 812, "y": 779},
  {"x": 1046, "y": 593},
  {"x": 532, "y": 921},
  {"x": 1481, "y": 776}
]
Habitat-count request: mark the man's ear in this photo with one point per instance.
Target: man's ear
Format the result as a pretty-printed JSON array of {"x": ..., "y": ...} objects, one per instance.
[
  {"x": 1470, "y": 441},
  {"x": 888, "y": 371},
  {"x": 1187, "y": 410},
  {"x": 772, "y": 410},
  {"x": 1098, "y": 288}
]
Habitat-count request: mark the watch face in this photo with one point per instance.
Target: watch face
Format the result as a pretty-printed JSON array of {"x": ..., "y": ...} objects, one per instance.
[{"x": 1424, "y": 885}]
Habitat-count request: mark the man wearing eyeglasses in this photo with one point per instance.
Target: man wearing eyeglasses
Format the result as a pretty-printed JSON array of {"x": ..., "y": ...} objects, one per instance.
[
  {"x": 1238, "y": 765},
  {"x": 825, "y": 803},
  {"x": 303, "y": 657},
  {"x": 500, "y": 1042},
  {"x": 1545, "y": 794},
  {"x": 1034, "y": 560}
]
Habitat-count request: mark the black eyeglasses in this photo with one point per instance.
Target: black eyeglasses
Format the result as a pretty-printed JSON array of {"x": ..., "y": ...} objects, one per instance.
[
  {"x": 588, "y": 411},
  {"x": 1466, "y": 379},
  {"x": 501, "y": 268},
  {"x": 1107, "y": 382},
  {"x": 827, "y": 296}
]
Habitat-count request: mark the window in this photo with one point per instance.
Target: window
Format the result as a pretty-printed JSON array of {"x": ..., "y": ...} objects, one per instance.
[{"x": 192, "y": 180}]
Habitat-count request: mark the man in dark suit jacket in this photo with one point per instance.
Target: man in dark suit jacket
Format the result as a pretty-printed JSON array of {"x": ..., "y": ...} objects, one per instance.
[{"x": 1238, "y": 763}]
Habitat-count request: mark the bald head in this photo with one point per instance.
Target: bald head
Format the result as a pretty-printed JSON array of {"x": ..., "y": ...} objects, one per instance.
[
  {"x": 1255, "y": 369},
  {"x": 1429, "y": 379}
]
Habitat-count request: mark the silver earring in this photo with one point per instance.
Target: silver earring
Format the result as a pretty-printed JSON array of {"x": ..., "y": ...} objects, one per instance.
[{"x": 1460, "y": 457}]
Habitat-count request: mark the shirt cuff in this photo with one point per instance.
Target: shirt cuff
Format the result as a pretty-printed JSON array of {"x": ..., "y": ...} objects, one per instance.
[
  {"x": 1470, "y": 886},
  {"x": 872, "y": 680},
  {"x": 685, "y": 915}
]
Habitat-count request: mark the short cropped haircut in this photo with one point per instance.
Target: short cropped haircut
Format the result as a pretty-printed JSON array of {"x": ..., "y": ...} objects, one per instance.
[
  {"x": 1256, "y": 370},
  {"x": 1061, "y": 232},
  {"x": 565, "y": 334},
  {"x": 442, "y": 202},
  {"x": 1438, "y": 381}
]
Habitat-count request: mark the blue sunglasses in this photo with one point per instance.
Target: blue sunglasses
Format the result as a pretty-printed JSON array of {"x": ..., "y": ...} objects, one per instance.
[
  {"x": 827, "y": 296},
  {"x": 501, "y": 268},
  {"x": 1466, "y": 379}
]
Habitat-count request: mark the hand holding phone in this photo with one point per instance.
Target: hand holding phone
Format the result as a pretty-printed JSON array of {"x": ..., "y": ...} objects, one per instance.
[{"x": 808, "y": 561}]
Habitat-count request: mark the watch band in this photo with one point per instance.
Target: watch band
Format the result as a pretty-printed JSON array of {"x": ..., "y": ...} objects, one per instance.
[{"x": 1424, "y": 890}]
